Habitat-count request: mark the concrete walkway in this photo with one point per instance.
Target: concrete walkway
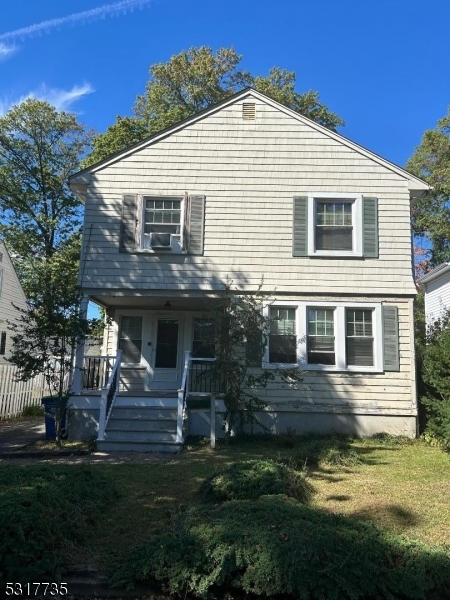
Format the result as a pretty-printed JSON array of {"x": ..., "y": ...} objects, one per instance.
[{"x": 17, "y": 433}]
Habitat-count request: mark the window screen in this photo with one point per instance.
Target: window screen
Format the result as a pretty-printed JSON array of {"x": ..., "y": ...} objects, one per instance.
[
  {"x": 334, "y": 226},
  {"x": 282, "y": 337}
]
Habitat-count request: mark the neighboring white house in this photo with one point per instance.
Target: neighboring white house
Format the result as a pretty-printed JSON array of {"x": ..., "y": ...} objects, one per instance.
[
  {"x": 10, "y": 291},
  {"x": 436, "y": 288},
  {"x": 245, "y": 189}
]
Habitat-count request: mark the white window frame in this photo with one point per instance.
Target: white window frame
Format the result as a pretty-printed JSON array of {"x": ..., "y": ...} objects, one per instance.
[
  {"x": 301, "y": 327},
  {"x": 177, "y": 239},
  {"x": 357, "y": 223}
]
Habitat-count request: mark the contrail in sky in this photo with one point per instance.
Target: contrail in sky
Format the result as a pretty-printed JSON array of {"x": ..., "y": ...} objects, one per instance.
[{"x": 107, "y": 10}]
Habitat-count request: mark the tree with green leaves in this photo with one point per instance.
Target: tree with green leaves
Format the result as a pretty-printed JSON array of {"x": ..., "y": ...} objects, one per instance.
[
  {"x": 194, "y": 80},
  {"x": 431, "y": 214},
  {"x": 40, "y": 219},
  {"x": 240, "y": 336},
  {"x": 47, "y": 334},
  {"x": 39, "y": 149}
]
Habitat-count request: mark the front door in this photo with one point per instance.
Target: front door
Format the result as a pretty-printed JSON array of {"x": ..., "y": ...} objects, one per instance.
[{"x": 166, "y": 360}]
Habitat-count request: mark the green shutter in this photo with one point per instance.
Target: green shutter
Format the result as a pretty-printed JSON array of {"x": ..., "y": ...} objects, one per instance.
[
  {"x": 391, "y": 360},
  {"x": 300, "y": 227},
  {"x": 370, "y": 227},
  {"x": 128, "y": 224},
  {"x": 196, "y": 224}
]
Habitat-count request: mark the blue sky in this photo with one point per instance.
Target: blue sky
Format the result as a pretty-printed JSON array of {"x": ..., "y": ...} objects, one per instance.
[{"x": 382, "y": 65}]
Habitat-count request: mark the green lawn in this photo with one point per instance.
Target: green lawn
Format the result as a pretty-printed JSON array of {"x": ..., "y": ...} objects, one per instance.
[{"x": 402, "y": 487}]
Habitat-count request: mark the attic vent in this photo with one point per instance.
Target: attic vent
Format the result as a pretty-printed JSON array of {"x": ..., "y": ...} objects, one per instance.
[{"x": 248, "y": 111}]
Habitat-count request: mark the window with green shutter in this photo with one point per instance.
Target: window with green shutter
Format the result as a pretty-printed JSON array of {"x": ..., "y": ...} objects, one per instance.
[{"x": 335, "y": 224}]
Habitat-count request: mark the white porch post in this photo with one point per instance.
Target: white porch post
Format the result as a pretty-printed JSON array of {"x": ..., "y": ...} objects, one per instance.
[{"x": 77, "y": 383}]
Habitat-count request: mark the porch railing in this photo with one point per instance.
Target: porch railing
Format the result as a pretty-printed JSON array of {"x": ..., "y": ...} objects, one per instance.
[
  {"x": 96, "y": 371},
  {"x": 109, "y": 393}
]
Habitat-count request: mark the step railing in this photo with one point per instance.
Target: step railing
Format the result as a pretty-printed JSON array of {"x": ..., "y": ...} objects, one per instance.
[
  {"x": 108, "y": 396},
  {"x": 197, "y": 380}
]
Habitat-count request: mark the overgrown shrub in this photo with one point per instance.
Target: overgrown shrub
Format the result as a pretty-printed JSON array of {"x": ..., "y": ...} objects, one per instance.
[
  {"x": 252, "y": 479},
  {"x": 327, "y": 451},
  {"x": 438, "y": 420},
  {"x": 43, "y": 510},
  {"x": 276, "y": 547}
]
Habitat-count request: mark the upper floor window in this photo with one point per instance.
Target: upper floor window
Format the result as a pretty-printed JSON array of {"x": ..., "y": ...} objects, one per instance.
[
  {"x": 162, "y": 223},
  {"x": 335, "y": 225}
]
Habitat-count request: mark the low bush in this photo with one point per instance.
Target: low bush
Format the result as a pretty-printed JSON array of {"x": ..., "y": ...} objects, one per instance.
[
  {"x": 327, "y": 451},
  {"x": 33, "y": 411},
  {"x": 252, "y": 479},
  {"x": 438, "y": 420},
  {"x": 42, "y": 511},
  {"x": 277, "y": 547}
]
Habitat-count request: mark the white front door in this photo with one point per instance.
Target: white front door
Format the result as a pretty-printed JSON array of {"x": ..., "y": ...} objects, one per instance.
[{"x": 165, "y": 347}]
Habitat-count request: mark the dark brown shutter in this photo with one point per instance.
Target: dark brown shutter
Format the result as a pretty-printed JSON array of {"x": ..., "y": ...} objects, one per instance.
[
  {"x": 128, "y": 223},
  {"x": 196, "y": 224},
  {"x": 3, "y": 343}
]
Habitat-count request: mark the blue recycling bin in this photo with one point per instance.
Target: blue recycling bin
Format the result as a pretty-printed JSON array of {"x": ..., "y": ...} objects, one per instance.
[{"x": 50, "y": 403}]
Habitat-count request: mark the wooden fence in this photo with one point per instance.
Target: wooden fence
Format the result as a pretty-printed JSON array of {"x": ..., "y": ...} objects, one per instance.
[{"x": 16, "y": 395}]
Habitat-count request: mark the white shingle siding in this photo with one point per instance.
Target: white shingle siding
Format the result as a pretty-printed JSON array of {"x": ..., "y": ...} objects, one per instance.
[
  {"x": 437, "y": 298},
  {"x": 249, "y": 174},
  {"x": 11, "y": 291}
]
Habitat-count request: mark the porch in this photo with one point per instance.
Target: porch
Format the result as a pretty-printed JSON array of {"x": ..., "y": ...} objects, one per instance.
[{"x": 147, "y": 420}]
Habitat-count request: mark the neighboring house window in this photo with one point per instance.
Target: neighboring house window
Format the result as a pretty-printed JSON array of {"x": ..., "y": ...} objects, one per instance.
[
  {"x": 282, "y": 336},
  {"x": 334, "y": 336},
  {"x": 321, "y": 336},
  {"x": 203, "y": 338},
  {"x": 3, "y": 343},
  {"x": 335, "y": 225},
  {"x": 1, "y": 281},
  {"x": 130, "y": 339}
]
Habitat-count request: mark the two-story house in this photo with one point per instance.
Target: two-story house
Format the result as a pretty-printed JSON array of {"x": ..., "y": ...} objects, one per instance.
[
  {"x": 245, "y": 189},
  {"x": 10, "y": 292}
]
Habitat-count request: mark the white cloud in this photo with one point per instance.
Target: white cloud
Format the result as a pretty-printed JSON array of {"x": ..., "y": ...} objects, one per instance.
[
  {"x": 60, "y": 99},
  {"x": 6, "y": 51},
  {"x": 86, "y": 16}
]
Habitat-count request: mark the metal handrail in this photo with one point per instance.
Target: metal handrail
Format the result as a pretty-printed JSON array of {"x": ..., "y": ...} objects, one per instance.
[{"x": 108, "y": 397}]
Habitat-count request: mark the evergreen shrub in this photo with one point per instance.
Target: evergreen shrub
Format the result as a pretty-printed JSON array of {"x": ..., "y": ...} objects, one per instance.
[
  {"x": 43, "y": 511},
  {"x": 277, "y": 547},
  {"x": 252, "y": 479}
]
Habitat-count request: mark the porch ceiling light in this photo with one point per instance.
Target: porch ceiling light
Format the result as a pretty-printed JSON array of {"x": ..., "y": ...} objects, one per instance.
[{"x": 167, "y": 305}]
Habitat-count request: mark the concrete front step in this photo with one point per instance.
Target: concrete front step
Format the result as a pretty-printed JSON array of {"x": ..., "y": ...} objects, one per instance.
[{"x": 128, "y": 446}]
